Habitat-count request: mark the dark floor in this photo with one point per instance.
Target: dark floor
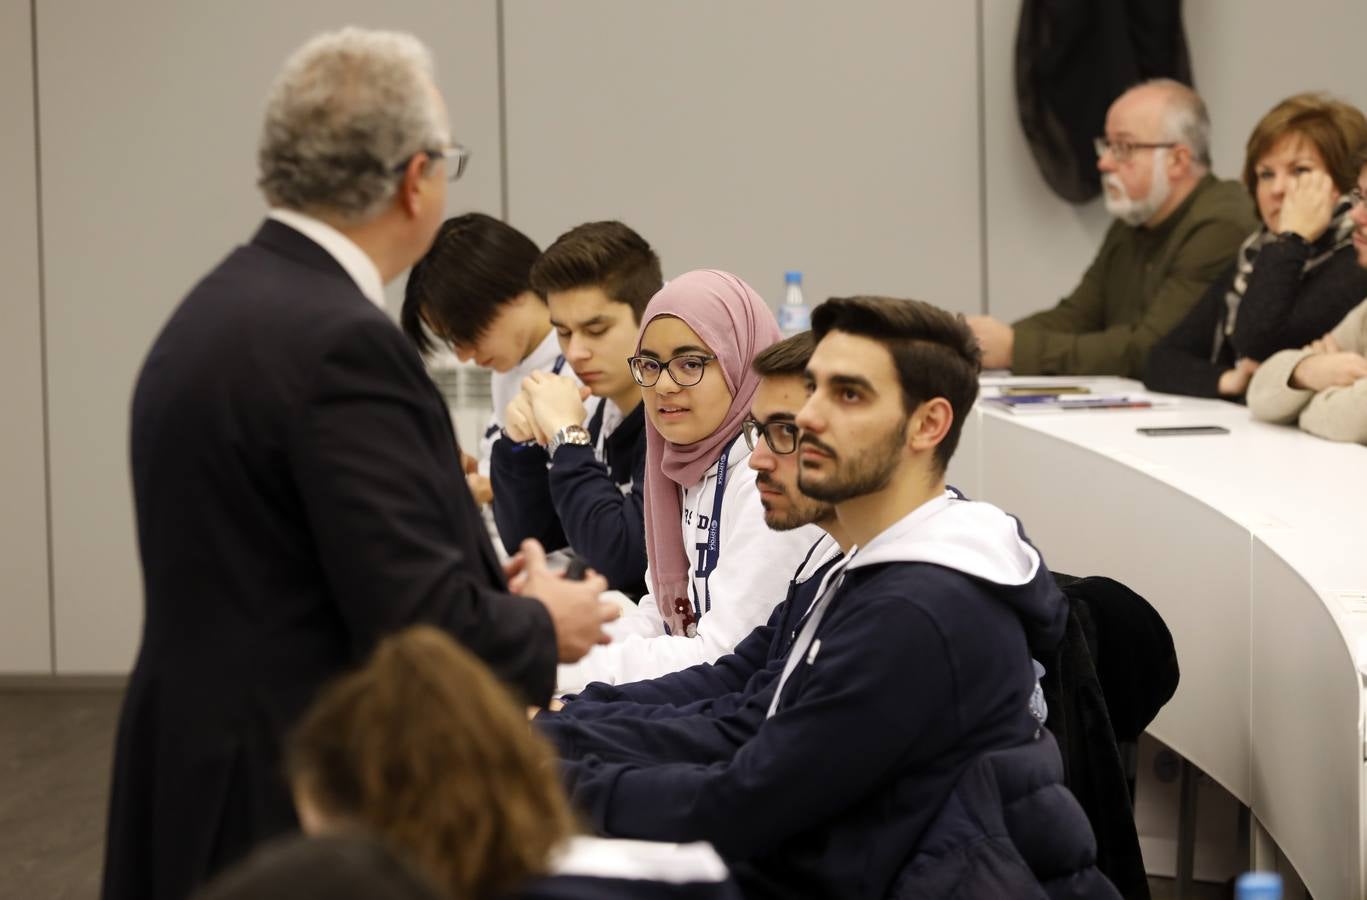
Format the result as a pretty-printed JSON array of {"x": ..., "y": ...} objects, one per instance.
[{"x": 55, "y": 752}]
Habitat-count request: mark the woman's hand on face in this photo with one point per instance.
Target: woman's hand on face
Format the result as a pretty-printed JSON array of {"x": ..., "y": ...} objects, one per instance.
[
  {"x": 1308, "y": 205},
  {"x": 1234, "y": 382}
]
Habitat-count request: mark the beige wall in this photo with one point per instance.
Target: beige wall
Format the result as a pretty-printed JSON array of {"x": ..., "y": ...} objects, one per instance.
[
  {"x": 150, "y": 113},
  {"x": 835, "y": 138},
  {"x": 25, "y": 630},
  {"x": 841, "y": 139}
]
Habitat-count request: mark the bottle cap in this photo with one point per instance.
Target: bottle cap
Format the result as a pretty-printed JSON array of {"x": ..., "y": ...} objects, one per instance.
[
  {"x": 792, "y": 277},
  {"x": 1258, "y": 885}
]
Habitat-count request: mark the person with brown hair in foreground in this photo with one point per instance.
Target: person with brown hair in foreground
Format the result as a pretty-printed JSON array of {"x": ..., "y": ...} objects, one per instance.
[{"x": 424, "y": 748}]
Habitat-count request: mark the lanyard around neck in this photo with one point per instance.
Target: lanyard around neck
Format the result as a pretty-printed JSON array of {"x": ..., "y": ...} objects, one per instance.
[{"x": 711, "y": 549}]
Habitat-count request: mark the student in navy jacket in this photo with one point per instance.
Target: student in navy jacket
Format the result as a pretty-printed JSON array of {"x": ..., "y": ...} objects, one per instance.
[
  {"x": 423, "y": 748},
  {"x": 723, "y": 686},
  {"x": 472, "y": 292},
  {"x": 563, "y": 475},
  {"x": 914, "y": 661}
]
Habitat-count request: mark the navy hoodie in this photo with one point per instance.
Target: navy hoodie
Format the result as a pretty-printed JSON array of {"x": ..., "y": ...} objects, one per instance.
[
  {"x": 595, "y": 508},
  {"x": 722, "y": 686},
  {"x": 917, "y": 661}
]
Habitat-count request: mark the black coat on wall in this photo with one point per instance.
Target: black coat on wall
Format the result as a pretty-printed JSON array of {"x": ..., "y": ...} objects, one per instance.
[
  {"x": 1073, "y": 58},
  {"x": 299, "y": 494}
]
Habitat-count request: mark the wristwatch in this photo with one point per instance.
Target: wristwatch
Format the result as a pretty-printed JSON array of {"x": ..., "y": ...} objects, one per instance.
[{"x": 570, "y": 434}]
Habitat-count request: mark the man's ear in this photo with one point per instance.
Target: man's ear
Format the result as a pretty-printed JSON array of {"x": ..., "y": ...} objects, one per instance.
[
  {"x": 929, "y": 424},
  {"x": 414, "y": 183},
  {"x": 1182, "y": 160}
]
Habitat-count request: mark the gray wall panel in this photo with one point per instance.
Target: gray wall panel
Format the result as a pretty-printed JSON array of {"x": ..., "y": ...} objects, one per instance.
[
  {"x": 25, "y": 637},
  {"x": 840, "y": 139},
  {"x": 151, "y": 111}
]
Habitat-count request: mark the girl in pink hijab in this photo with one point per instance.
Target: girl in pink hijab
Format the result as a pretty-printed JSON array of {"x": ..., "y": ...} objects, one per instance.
[{"x": 715, "y": 570}]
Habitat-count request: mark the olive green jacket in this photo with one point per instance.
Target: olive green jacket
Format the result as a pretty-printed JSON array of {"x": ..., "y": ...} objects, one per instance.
[{"x": 1140, "y": 286}]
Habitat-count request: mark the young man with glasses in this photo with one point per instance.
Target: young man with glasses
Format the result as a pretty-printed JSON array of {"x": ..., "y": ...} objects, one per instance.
[
  {"x": 1177, "y": 228},
  {"x": 725, "y": 685},
  {"x": 562, "y": 474},
  {"x": 912, "y": 662}
]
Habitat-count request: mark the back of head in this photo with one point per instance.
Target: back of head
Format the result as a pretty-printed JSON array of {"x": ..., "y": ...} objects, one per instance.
[
  {"x": 787, "y": 358},
  {"x": 476, "y": 265},
  {"x": 426, "y": 749},
  {"x": 347, "y": 110},
  {"x": 326, "y": 868},
  {"x": 934, "y": 352},
  {"x": 1185, "y": 119},
  {"x": 1336, "y": 129},
  {"x": 604, "y": 255}
]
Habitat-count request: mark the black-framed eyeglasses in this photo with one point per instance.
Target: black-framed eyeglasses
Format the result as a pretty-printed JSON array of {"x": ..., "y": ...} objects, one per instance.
[
  {"x": 1122, "y": 150},
  {"x": 457, "y": 156},
  {"x": 686, "y": 370},
  {"x": 780, "y": 436}
]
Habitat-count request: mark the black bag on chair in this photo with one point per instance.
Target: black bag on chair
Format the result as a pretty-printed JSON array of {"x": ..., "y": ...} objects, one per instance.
[{"x": 1113, "y": 671}]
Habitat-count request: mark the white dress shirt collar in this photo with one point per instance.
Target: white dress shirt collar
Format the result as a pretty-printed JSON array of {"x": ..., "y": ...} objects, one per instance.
[{"x": 350, "y": 257}]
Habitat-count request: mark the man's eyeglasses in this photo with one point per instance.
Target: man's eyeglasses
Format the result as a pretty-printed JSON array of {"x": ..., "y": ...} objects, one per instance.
[
  {"x": 780, "y": 436},
  {"x": 456, "y": 156},
  {"x": 1122, "y": 150},
  {"x": 686, "y": 370}
]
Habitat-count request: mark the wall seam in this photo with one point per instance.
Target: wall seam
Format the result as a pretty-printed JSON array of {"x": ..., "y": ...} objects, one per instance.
[
  {"x": 42, "y": 343},
  {"x": 502, "y": 114},
  {"x": 982, "y": 161}
]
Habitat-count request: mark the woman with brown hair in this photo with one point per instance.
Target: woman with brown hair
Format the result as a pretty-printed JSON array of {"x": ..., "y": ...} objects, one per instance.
[
  {"x": 1296, "y": 276},
  {"x": 424, "y": 748}
]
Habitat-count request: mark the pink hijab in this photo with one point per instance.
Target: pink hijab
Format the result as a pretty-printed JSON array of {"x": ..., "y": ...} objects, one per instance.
[{"x": 736, "y": 325}]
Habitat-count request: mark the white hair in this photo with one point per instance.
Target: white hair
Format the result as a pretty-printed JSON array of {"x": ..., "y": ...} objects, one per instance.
[
  {"x": 1185, "y": 120},
  {"x": 348, "y": 109}
]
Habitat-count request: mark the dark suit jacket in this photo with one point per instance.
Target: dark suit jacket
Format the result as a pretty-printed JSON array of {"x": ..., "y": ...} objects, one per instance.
[{"x": 299, "y": 494}]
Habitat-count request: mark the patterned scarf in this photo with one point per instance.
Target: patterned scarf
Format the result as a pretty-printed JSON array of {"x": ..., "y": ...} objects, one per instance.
[{"x": 1338, "y": 235}]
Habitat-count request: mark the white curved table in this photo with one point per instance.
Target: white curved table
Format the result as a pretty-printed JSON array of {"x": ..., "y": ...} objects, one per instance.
[{"x": 1253, "y": 548}]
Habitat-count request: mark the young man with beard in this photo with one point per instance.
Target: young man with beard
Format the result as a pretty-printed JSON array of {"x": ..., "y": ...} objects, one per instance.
[
  {"x": 725, "y": 685},
  {"x": 914, "y": 661},
  {"x": 1177, "y": 229}
]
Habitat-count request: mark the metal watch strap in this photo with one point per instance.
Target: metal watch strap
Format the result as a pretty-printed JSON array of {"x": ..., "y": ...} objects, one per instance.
[{"x": 570, "y": 434}]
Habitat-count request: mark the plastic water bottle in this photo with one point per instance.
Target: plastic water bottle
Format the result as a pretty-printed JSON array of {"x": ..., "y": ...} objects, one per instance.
[
  {"x": 795, "y": 316},
  {"x": 1258, "y": 886}
]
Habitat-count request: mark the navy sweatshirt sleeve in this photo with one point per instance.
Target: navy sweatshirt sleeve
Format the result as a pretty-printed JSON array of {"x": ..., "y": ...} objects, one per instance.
[
  {"x": 874, "y": 699},
  {"x": 646, "y": 741},
  {"x": 701, "y": 682},
  {"x": 604, "y": 526},
  {"x": 1281, "y": 309},
  {"x": 522, "y": 498},
  {"x": 1180, "y": 362}
]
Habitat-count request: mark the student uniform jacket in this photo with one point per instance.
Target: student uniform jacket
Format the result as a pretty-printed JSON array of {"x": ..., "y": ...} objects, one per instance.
[
  {"x": 748, "y": 580},
  {"x": 715, "y": 688},
  {"x": 590, "y": 499},
  {"x": 299, "y": 494},
  {"x": 915, "y": 660}
]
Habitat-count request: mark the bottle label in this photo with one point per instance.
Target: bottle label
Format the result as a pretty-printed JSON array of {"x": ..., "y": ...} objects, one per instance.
[{"x": 793, "y": 319}]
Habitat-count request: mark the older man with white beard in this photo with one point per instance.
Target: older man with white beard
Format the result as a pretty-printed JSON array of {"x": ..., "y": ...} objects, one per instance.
[{"x": 1177, "y": 226}]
